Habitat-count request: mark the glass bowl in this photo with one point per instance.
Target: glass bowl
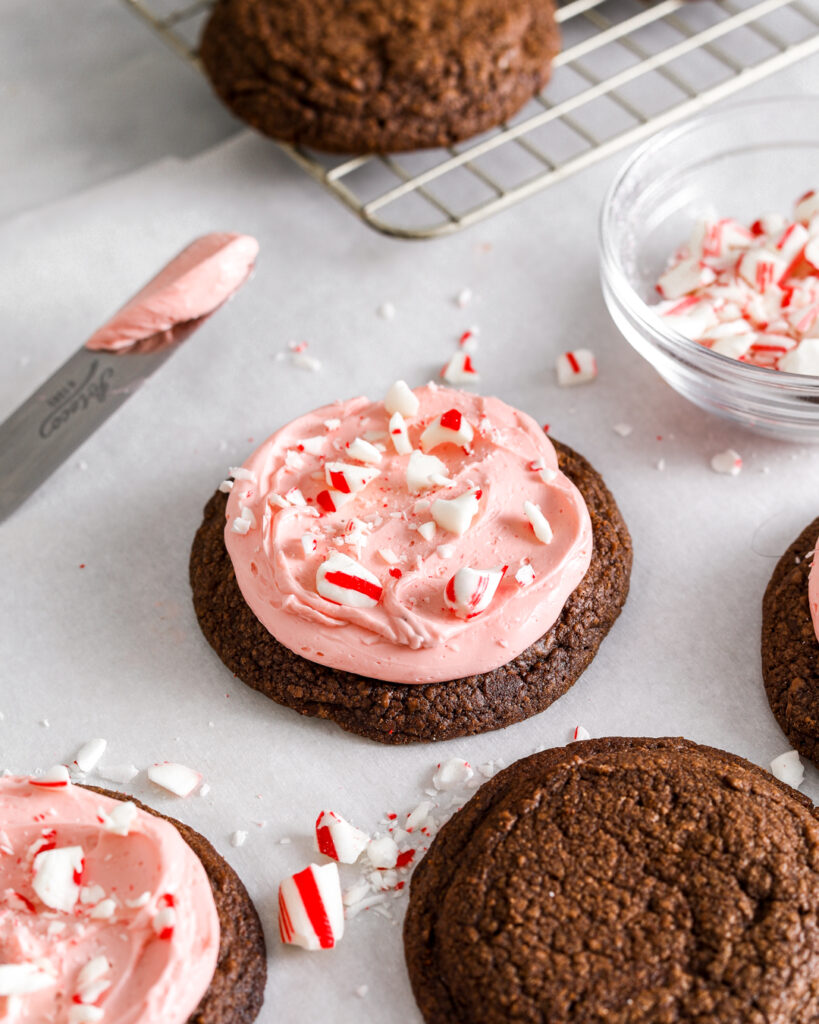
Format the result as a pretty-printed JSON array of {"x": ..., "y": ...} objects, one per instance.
[{"x": 740, "y": 161}]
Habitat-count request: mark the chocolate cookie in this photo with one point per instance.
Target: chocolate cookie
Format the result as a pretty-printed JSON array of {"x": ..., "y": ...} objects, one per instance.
[
  {"x": 790, "y": 650},
  {"x": 636, "y": 881},
  {"x": 401, "y": 713},
  {"x": 236, "y": 992},
  {"x": 363, "y": 76}
]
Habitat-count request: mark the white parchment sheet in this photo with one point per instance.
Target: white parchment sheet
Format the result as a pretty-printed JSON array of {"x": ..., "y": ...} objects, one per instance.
[{"x": 113, "y": 649}]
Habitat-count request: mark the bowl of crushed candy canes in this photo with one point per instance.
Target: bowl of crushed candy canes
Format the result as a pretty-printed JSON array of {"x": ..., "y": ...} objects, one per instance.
[{"x": 710, "y": 262}]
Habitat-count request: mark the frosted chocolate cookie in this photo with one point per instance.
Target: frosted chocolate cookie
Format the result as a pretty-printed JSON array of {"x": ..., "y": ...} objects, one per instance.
[
  {"x": 415, "y": 569},
  {"x": 643, "y": 881},
  {"x": 362, "y": 77},
  {"x": 113, "y": 912},
  {"x": 790, "y": 643}
]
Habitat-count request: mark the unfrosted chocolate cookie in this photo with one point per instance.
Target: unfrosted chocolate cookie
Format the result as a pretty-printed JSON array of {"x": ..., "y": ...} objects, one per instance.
[
  {"x": 621, "y": 881},
  {"x": 236, "y": 992},
  {"x": 401, "y": 713},
  {"x": 790, "y": 650},
  {"x": 364, "y": 76}
]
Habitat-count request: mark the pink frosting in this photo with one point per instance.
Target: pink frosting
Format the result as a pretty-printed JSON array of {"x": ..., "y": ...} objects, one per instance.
[
  {"x": 155, "y": 979},
  {"x": 409, "y": 636},
  {"x": 813, "y": 590},
  {"x": 192, "y": 285}
]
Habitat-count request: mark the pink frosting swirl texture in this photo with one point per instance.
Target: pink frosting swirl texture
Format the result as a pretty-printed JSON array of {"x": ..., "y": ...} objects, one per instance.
[
  {"x": 158, "y": 968},
  {"x": 813, "y": 590},
  {"x": 410, "y": 636}
]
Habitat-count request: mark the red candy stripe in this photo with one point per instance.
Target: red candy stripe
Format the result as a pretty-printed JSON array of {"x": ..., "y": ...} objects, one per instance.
[
  {"x": 573, "y": 362},
  {"x": 339, "y": 481},
  {"x": 348, "y": 582},
  {"x": 311, "y": 898},
  {"x": 451, "y": 419},
  {"x": 324, "y": 839}
]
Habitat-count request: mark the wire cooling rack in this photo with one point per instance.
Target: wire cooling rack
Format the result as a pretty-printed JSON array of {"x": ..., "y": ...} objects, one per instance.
[{"x": 626, "y": 70}]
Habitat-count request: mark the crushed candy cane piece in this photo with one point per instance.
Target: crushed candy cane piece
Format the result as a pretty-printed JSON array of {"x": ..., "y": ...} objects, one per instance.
[
  {"x": 424, "y": 472},
  {"x": 121, "y": 818},
  {"x": 338, "y": 839},
  {"x": 55, "y": 778},
  {"x": 539, "y": 523},
  {"x": 460, "y": 369},
  {"x": 363, "y": 451},
  {"x": 401, "y": 399},
  {"x": 348, "y": 478},
  {"x": 332, "y": 500},
  {"x": 226, "y": 486},
  {"x": 386, "y": 311},
  {"x": 399, "y": 434},
  {"x": 240, "y": 473},
  {"x": 311, "y": 912},
  {"x": 451, "y": 427},
  {"x": 452, "y": 773},
  {"x": 427, "y": 530},
  {"x": 91, "y": 981},
  {"x": 24, "y": 978},
  {"x": 455, "y": 515},
  {"x": 57, "y": 877},
  {"x": 89, "y": 754},
  {"x": 470, "y": 591},
  {"x": 383, "y": 852},
  {"x": 577, "y": 367},
  {"x": 804, "y": 359},
  {"x": 82, "y": 1013},
  {"x": 623, "y": 429},
  {"x": 176, "y": 778},
  {"x": 445, "y": 550},
  {"x": 684, "y": 278},
  {"x": 344, "y": 581},
  {"x": 728, "y": 462},
  {"x": 238, "y": 838},
  {"x": 463, "y": 298},
  {"x": 789, "y": 769},
  {"x": 525, "y": 575},
  {"x": 580, "y": 733}
]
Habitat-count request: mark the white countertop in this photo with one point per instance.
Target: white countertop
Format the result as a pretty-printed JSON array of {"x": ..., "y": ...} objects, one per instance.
[{"x": 113, "y": 649}]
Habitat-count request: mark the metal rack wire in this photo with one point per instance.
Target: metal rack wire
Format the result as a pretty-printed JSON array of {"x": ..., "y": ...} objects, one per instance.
[{"x": 625, "y": 71}]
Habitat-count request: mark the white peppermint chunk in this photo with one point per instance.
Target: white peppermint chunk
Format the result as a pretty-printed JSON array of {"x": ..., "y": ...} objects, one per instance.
[
  {"x": 120, "y": 820},
  {"x": 400, "y": 434},
  {"x": 456, "y": 515},
  {"x": 104, "y": 910},
  {"x": 80, "y": 1013},
  {"x": 364, "y": 451},
  {"x": 470, "y": 591},
  {"x": 238, "y": 838},
  {"x": 803, "y": 359},
  {"x": 789, "y": 769},
  {"x": 176, "y": 778},
  {"x": 728, "y": 462},
  {"x": 427, "y": 530},
  {"x": 89, "y": 754},
  {"x": 23, "y": 979},
  {"x": 525, "y": 575},
  {"x": 452, "y": 773},
  {"x": 684, "y": 278},
  {"x": 57, "y": 875},
  {"x": 401, "y": 399},
  {"x": 540, "y": 524},
  {"x": 424, "y": 472},
  {"x": 383, "y": 852}
]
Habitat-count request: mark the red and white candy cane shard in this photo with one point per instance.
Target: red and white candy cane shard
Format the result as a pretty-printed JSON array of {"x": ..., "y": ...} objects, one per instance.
[
  {"x": 577, "y": 367},
  {"x": 424, "y": 472},
  {"x": 715, "y": 239},
  {"x": 734, "y": 346},
  {"x": 121, "y": 818},
  {"x": 807, "y": 206},
  {"x": 401, "y": 399},
  {"x": 344, "y": 581},
  {"x": 332, "y": 500},
  {"x": 24, "y": 978},
  {"x": 539, "y": 523},
  {"x": 456, "y": 515},
  {"x": 57, "y": 877},
  {"x": 803, "y": 359},
  {"x": 89, "y": 754},
  {"x": 460, "y": 369},
  {"x": 451, "y": 427},
  {"x": 791, "y": 242},
  {"x": 812, "y": 253},
  {"x": 694, "y": 321},
  {"x": 363, "y": 451},
  {"x": 311, "y": 912},
  {"x": 55, "y": 778},
  {"x": 399, "y": 434},
  {"x": 762, "y": 269},
  {"x": 176, "y": 778},
  {"x": 348, "y": 478},
  {"x": 92, "y": 980},
  {"x": 525, "y": 575},
  {"x": 684, "y": 278},
  {"x": 470, "y": 591},
  {"x": 338, "y": 839},
  {"x": 580, "y": 733}
]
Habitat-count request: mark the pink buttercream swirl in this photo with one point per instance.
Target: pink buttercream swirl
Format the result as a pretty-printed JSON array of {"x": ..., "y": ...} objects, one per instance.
[
  {"x": 813, "y": 590},
  {"x": 158, "y": 967},
  {"x": 194, "y": 284},
  {"x": 409, "y": 636}
]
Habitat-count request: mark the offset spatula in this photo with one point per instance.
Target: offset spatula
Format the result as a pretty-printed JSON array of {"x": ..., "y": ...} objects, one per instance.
[{"x": 95, "y": 381}]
